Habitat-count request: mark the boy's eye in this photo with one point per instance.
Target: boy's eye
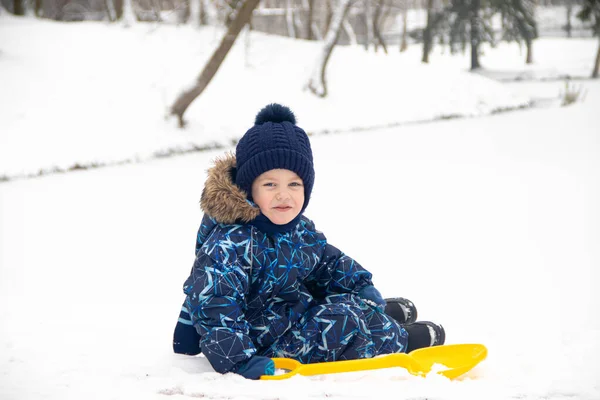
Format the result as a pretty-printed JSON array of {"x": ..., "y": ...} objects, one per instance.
[
  {"x": 269, "y": 184},
  {"x": 296, "y": 184}
]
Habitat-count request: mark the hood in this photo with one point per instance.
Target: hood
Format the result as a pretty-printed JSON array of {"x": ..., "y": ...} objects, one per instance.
[{"x": 222, "y": 199}]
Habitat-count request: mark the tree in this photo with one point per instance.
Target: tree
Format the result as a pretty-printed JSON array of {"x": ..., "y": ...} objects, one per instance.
[
  {"x": 202, "y": 14},
  {"x": 403, "y": 41},
  {"x": 435, "y": 18},
  {"x": 518, "y": 22},
  {"x": 591, "y": 12},
  {"x": 155, "y": 6},
  {"x": 427, "y": 40},
  {"x": 475, "y": 22},
  {"x": 369, "y": 28},
  {"x": 379, "y": 17},
  {"x": 289, "y": 18},
  {"x": 317, "y": 84},
  {"x": 37, "y": 8},
  {"x": 475, "y": 14},
  {"x": 237, "y": 23},
  {"x": 109, "y": 9},
  {"x": 309, "y": 20},
  {"x": 127, "y": 13},
  {"x": 18, "y": 7},
  {"x": 349, "y": 31},
  {"x": 328, "y": 15},
  {"x": 119, "y": 6},
  {"x": 569, "y": 26}
]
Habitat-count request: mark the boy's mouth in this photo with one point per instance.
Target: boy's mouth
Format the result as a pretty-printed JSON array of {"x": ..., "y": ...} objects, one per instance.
[{"x": 283, "y": 208}]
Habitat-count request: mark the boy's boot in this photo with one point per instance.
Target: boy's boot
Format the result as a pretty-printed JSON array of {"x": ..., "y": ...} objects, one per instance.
[
  {"x": 424, "y": 334},
  {"x": 401, "y": 309}
]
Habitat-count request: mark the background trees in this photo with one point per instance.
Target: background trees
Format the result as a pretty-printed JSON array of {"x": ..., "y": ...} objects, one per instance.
[
  {"x": 375, "y": 24},
  {"x": 591, "y": 12},
  {"x": 459, "y": 25},
  {"x": 518, "y": 22}
]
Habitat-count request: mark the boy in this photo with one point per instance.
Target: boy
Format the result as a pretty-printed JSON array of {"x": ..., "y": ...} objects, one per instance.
[{"x": 265, "y": 282}]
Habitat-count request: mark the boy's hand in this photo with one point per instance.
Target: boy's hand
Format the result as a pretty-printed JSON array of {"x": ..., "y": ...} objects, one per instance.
[
  {"x": 256, "y": 367},
  {"x": 371, "y": 296}
]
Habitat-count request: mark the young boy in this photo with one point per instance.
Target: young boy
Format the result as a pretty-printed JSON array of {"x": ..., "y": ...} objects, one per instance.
[{"x": 265, "y": 282}]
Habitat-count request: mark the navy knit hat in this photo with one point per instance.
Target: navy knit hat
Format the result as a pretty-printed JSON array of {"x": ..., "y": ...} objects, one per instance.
[{"x": 274, "y": 142}]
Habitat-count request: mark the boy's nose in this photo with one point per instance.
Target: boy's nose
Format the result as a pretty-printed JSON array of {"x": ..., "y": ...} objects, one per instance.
[{"x": 282, "y": 195}]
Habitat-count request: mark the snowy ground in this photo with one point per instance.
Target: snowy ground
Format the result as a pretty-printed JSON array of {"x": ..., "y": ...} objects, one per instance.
[{"x": 495, "y": 225}]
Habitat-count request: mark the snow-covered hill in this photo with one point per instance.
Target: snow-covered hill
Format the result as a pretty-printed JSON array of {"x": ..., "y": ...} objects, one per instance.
[{"x": 91, "y": 93}]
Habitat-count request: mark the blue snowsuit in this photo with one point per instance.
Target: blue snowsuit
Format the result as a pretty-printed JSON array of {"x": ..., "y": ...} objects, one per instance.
[{"x": 278, "y": 295}]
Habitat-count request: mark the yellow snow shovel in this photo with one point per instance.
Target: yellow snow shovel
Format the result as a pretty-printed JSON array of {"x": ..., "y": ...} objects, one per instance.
[{"x": 453, "y": 359}]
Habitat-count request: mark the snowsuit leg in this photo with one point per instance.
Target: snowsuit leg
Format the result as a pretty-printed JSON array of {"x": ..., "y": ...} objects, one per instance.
[{"x": 341, "y": 327}]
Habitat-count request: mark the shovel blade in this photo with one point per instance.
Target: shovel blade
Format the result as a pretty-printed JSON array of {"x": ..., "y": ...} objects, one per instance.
[{"x": 457, "y": 358}]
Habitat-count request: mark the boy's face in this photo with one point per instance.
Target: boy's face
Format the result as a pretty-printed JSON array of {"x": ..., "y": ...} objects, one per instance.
[{"x": 279, "y": 193}]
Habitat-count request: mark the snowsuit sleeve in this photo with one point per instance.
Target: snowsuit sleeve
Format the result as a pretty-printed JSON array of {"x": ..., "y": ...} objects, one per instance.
[
  {"x": 216, "y": 293},
  {"x": 336, "y": 273}
]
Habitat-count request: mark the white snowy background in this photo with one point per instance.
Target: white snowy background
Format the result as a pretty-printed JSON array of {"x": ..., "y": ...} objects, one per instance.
[{"x": 492, "y": 221}]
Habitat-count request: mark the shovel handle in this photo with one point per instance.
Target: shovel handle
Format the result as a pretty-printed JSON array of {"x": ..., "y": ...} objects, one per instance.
[{"x": 388, "y": 361}]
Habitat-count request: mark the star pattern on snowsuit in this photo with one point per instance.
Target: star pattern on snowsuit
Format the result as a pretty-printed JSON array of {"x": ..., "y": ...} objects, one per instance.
[{"x": 284, "y": 295}]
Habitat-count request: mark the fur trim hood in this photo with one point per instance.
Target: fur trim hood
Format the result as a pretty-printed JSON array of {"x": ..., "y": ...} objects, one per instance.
[{"x": 222, "y": 199}]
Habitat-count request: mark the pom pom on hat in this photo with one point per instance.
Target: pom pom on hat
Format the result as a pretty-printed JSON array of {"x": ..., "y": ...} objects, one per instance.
[{"x": 275, "y": 113}]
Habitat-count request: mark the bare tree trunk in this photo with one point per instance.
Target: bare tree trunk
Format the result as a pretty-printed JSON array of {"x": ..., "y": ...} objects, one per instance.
[
  {"x": 387, "y": 9},
  {"x": 318, "y": 83},
  {"x": 129, "y": 15},
  {"x": 427, "y": 33},
  {"x": 184, "y": 17},
  {"x": 375, "y": 15},
  {"x": 186, "y": 98},
  {"x": 569, "y": 27},
  {"x": 193, "y": 11},
  {"x": 203, "y": 15},
  {"x": 18, "y": 7},
  {"x": 529, "y": 45},
  {"x": 289, "y": 17},
  {"x": 316, "y": 32},
  {"x": 118, "y": 4},
  {"x": 403, "y": 41},
  {"x": 475, "y": 33},
  {"x": 109, "y": 8},
  {"x": 350, "y": 32},
  {"x": 369, "y": 24},
  {"x": 156, "y": 8},
  {"x": 297, "y": 23},
  {"x": 39, "y": 9},
  {"x": 309, "y": 20},
  {"x": 378, "y": 21},
  {"x": 312, "y": 29},
  {"x": 328, "y": 16},
  {"x": 597, "y": 64}
]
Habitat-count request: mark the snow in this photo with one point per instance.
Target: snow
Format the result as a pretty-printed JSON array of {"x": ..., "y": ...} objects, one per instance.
[{"x": 492, "y": 222}]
